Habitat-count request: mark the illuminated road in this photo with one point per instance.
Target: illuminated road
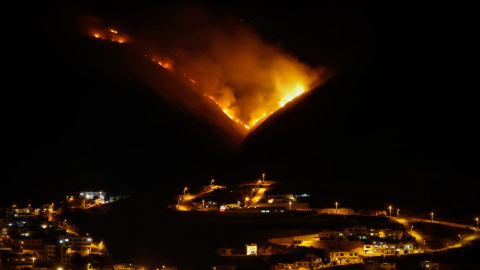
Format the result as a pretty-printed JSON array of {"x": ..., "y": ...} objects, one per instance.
[
  {"x": 408, "y": 227},
  {"x": 257, "y": 197},
  {"x": 186, "y": 201}
]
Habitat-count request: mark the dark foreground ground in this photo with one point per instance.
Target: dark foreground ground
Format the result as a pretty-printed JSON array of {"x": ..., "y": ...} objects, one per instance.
[{"x": 141, "y": 232}]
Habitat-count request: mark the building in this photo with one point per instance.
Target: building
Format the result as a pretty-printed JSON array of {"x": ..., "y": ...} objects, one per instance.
[
  {"x": 26, "y": 212},
  {"x": 127, "y": 266},
  {"x": 251, "y": 249},
  {"x": 376, "y": 265},
  {"x": 294, "y": 240},
  {"x": 387, "y": 249},
  {"x": 357, "y": 230},
  {"x": 429, "y": 265},
  {"x": 90, "y": 195},
  {"x": 283, "y": 266},
  {"x": 315, "y": 263},
  {"x": 330, "y": 235},
  {"x": 18, "y": 261},
  {"x": 57, "y": 253},
  {"x": 343, "y": 257},
  {"x": 78, "y": 244},
  {"x": 385, "y": 234},
  {"x": 25, "y": 243},
  {"x": 265, "y": 211}
]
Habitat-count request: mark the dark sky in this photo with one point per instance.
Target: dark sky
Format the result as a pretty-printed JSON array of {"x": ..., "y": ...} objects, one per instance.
[{"x": 404, "y": 93}]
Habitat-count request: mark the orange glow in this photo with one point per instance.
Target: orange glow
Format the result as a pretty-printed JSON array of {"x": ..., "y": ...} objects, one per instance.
[{"x": 246, "y": 77}]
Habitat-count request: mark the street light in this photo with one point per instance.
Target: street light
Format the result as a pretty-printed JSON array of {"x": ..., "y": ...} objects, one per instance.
[
  {"x": 259, "y": 183},
  {"x": 238, "y": 203},
  {"x": 390, "y": 208},
  {"x": 336, "y": 207},
  {"x": 432, "y": 216},
  {"x": 246, "y": 200},
  {"x": 290, "y": 202},
  {"x": 476, "y": 228},
  {"x": 33, "y": 264},
  {"x": 184, "y": 191},
  {"x": 459, "y": 236},
  {"x": 203, "y": 205},
  {"x": 211, "y": 182},
  {"x": 398, "y": 210},
  {"x": 263, "y": 175},
  {"x": 411, "y": 230},
  {"x": 179, "y": 199}
]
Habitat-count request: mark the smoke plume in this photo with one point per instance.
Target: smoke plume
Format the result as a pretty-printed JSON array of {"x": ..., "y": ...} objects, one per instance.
[{"x": 228, "y": 61}]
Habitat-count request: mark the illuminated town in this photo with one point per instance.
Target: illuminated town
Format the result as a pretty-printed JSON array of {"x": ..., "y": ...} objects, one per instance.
[{"x": 41, "y": 237}]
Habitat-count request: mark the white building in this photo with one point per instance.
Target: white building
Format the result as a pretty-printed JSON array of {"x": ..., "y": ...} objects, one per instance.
[
  {"x": 385, "y": 248},
  {"x": 251, "y": 249}
]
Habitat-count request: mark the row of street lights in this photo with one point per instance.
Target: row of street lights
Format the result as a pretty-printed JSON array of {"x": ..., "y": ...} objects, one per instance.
[{"x": 390, "y": 209}]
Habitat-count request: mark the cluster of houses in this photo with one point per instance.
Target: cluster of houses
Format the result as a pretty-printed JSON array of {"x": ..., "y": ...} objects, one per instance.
[
  {"x": 26, "y": 240},
  {"x": 350, "y": 246},
  {"x": 36, "y": 238}
]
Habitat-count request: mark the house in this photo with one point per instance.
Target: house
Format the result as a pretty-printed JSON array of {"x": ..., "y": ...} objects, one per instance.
[
  {"x": 78, "y": 244},
  {"x": 357, "y": 230},
  {"x": 18, "y": 261},
  {"x": 376, "y": 265},
  {"x": 385, "y": 234},
  {"x": 283, "y": 266},
  {"x": 251, "y": 249},
  {"x": 312, "y": 264},
  {"x": 27, "y": 243},
  {"x": 343, "y": 257},
  {"x": 56, "y": 253},
  {"x": 330, "y": 235},
  {"x": 127, "y": 266},
  {"x": 386, "y": 248},
  {"x": 257, "y": 211},
  {"x": 429, "y": 265}
]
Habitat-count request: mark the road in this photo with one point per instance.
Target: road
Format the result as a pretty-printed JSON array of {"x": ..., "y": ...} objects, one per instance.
[
  {"x": 257, "y": 197},
  {"x": 408, "y": 227},
  {"x": 421, "y": 242},
  {"x": 186, "y": 201}
]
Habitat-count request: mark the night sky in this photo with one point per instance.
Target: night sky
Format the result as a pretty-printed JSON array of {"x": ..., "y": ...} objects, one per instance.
[{"x": 402, "y": 108}]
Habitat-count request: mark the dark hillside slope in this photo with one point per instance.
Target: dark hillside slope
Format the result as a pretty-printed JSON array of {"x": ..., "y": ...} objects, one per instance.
[
  {"x": 364, "y": 133},
  {"x": 99, "y": 115}
]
